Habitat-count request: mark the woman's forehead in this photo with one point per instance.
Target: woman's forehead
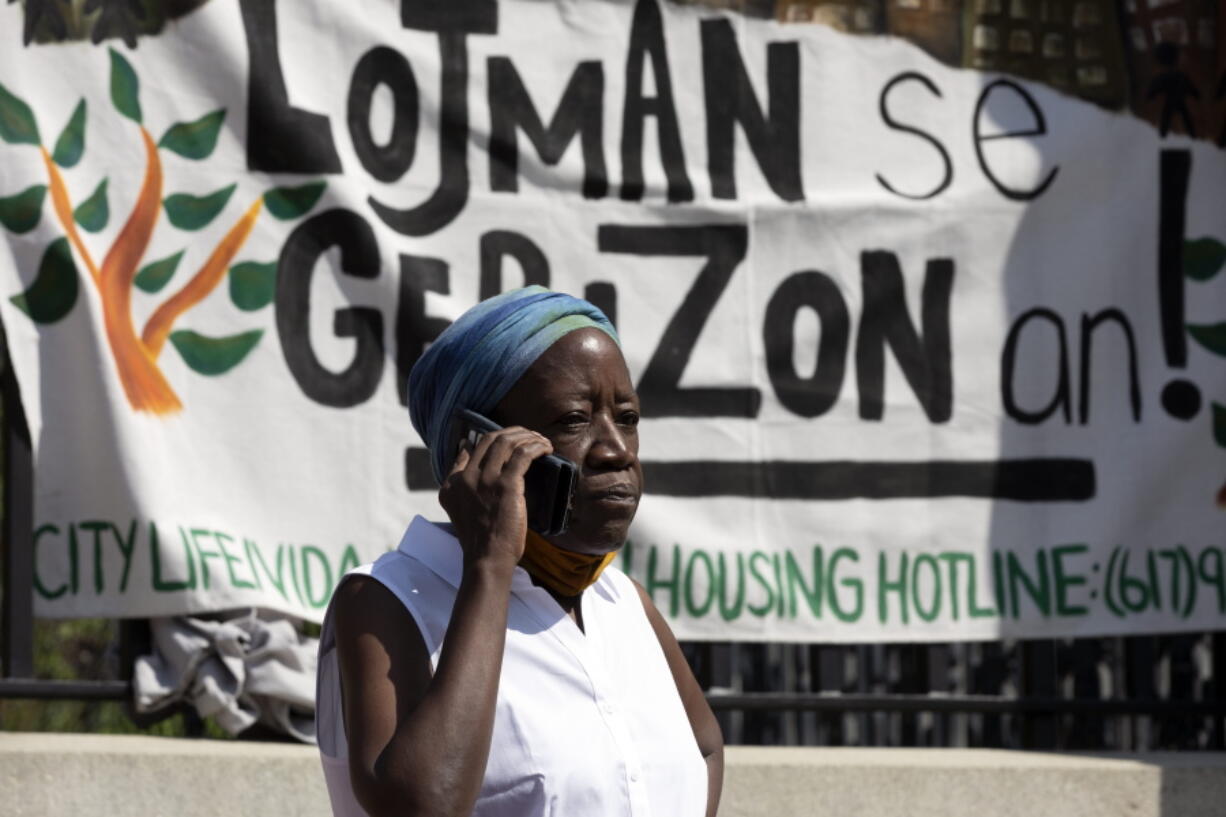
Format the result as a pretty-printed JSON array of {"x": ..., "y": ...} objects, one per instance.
[{"x": 581, "y": 362}]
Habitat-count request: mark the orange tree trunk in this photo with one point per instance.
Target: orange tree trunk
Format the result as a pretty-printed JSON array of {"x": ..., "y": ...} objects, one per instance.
[{"x": 143, "y": 382}]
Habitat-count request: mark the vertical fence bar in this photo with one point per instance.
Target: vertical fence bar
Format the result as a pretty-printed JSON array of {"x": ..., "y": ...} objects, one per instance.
[
  {"x": 1039, "y": 673},
  {"x": 1216, "y": 689},
  {"x": 17, "y": 650}
]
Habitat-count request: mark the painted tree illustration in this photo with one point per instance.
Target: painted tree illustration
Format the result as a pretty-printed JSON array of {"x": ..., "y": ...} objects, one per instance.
[
  {"x": 55, "y": 288},
  {"x": 1203, "y": 259}
]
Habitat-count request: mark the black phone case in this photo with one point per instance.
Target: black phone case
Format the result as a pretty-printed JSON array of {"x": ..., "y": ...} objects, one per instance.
[{"x": 549, "y": 484}]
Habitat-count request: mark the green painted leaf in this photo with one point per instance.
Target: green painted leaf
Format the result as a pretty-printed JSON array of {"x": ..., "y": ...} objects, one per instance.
[
  {"x": 213, "y": 356},
  {"x": 252, "y": 284},
  {"x": 188, "y": 212},
  {"x": 1203, "y": 258},
  {"x": 125, "y": 87},
  {"x": 1211, "y": 336},
  {"x": 71, "y": 144},
  {"x": 20, "y": 213},
  {"x": 54, "y": 291},
  {"x": 291, "y": 202},
  {"x": 152, "y": 277},
  {"x": 194, "y": 140},
  {"x": 1219, "y": 424},
  {"x": 17, "y": 125},
  {"x": 93, "y": 213}
]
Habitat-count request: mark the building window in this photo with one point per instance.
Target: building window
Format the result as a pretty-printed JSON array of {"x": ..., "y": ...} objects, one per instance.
[
  {"x": 1087, "y": 14},
  {"x": 1019, "y": 9},
  {"x": 1171, "y": 30},
  {"x": 986, "y": 38},
  {"x": 1053, "y": 46},
  {"x": 1087, "y": 48},
  {"x": 1091, "y": 75},
  {"x": 1051, "y": 11},
  {"x": 909, "y": 4},
  {"x": 1205, "y": 34},
  {"x": 1057, "y": 76},
  {"x": 796, "y": 13},
  {"x": 988, "y": 6},
  {"x": 942, "y": 5},
  {"x": 1138, "y": 38},
  {"x": 864, "y": 19},
  {"x": 1020, "y": 42}
]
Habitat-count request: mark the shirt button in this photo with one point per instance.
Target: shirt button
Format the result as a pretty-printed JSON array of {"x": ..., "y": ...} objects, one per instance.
[{"x": 634, "y": 776}]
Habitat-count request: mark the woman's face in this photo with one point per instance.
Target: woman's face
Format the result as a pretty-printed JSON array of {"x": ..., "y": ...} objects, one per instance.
[{"x": 579, "y": 395}]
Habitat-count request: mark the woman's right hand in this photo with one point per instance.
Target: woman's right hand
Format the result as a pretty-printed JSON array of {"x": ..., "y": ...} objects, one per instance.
[{"x": 484, "y": 495}]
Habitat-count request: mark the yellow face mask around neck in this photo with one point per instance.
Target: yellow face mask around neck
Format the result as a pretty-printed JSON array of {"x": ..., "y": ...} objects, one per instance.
[{"x": 563, "y": 571}]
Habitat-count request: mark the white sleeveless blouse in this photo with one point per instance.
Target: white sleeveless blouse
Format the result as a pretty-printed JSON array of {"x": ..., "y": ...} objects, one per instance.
[{"x": 587, "y": 724}]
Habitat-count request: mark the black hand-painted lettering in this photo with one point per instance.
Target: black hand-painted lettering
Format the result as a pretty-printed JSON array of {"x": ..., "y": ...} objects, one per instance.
[
  {"x": 384, "y": 66},
  {"x": 280, "y": 137},
  {"x": 774, "y": 138},
  {"x": 498, "y": 244},
  {"x": 452, "y": 16},
  {"x": 414, "y": 328},
  {"x": 1088, "y": 324},
  {"x": 724, "y": 246},
  {"x": 1039, "y": 128},
  {"x": 647, "y": 42},
  {"x": 926, "y": 362},
  {"x": 1061, "y": 399},
  {"x": 603, "y": 295},
  {"x": 449, "y": 198},
  {"x": 580, "y": 112},
  {"x": 1054, "y": 479},
  {"x": 814, "y": 395},
  {"x": 359, "y": 257},
  {"x": 1180, "y": 397},
  {"x": 893, "y": 123}
]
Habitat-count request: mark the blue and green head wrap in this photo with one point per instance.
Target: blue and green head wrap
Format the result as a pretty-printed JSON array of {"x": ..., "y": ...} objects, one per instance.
[{"x": 476, "y": 360}]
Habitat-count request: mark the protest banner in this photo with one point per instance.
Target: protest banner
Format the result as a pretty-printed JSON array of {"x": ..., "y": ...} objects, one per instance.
[{"x": 925, "y": 353}]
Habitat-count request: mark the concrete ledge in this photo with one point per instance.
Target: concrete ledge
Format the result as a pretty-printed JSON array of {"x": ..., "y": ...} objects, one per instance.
[{"x": 45, "y": 775}]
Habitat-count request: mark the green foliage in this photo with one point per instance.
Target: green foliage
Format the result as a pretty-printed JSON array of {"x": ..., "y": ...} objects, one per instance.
[
  {"x": 54, "y": 291},
  {"x": 214, "y": 356},
  {"x": 20, "y": 213},
  {"x": 1219, "y": 424},
  {"x": 188, "y": 212},
  {"x": 1203, "y": 258},
  {"x": 125, "y": 87},
  {"x": 194, "y": 140},
  {"x": 291, "y": 202},
  {"x": 71, "y": 144},
  {"x": 252, "y": 284},
  {"x": 82, "y": 649},
  {"x": 152, "y": 277},
  {"x": 93, "y": 213},
  {"x": 17, "y": 125},
  {"x": 1211, "y": 336}
]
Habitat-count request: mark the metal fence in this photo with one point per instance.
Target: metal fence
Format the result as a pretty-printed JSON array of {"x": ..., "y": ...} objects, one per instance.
[{"x": 1134, "y": 693}]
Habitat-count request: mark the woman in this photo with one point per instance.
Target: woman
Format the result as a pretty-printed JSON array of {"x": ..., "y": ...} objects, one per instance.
[{"x": 481, "y": 669}]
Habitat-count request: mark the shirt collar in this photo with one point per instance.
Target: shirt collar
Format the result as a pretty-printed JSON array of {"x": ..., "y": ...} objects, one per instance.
[{"x": 435, "y": 545}]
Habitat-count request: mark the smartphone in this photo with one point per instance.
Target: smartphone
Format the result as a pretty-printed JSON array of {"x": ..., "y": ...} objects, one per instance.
[{"x": 549, "y": 484}]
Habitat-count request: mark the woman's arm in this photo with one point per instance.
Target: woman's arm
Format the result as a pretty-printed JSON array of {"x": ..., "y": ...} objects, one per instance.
[
  {"x": 419, "y": 744},
  {"x": 702, "y": 719}
]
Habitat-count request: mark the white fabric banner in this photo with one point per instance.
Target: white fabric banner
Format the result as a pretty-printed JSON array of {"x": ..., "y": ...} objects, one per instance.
[{"x": 924, "y": 353}]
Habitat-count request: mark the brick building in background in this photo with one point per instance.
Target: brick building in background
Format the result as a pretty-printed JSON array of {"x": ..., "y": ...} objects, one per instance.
[
  {"x": 1166, "y": 59},
  {"x": 933, "y": 25},
  {"x": 1072, "y": 45},
  {"x": 853, "y": 16},
  {"x": 1176, "y": 56}
]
